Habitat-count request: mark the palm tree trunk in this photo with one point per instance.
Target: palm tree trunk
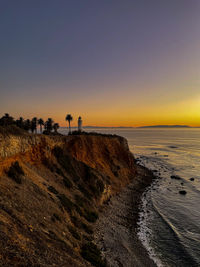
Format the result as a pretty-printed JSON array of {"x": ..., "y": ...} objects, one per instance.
[
  {"x": 40, "y": 128},
  {"x": 69, "y": 127}
]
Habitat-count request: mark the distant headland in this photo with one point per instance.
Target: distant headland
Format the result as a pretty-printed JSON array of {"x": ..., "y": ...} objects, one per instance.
[
  {"x": 166, "y": 126},
  {"x": 148, "y": 126}
]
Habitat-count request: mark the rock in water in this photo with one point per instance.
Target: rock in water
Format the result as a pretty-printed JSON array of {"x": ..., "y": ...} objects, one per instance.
[{"x": 176, "y": 177}]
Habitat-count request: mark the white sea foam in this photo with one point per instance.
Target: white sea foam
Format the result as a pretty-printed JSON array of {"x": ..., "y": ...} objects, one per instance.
[{"x": 144, "y": 232}]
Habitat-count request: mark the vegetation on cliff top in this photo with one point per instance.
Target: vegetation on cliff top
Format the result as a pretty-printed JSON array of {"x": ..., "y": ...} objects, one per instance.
[
  {"x": 29, "y": 125},
  {"x": 8, "y": 125}
]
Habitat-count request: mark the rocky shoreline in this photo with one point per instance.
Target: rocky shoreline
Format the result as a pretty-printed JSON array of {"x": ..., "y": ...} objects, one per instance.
[{"x": 116, "y": 229}]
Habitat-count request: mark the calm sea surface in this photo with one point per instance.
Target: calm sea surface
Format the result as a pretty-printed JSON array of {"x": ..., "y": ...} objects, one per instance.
[{"x": 169, "y": 224}]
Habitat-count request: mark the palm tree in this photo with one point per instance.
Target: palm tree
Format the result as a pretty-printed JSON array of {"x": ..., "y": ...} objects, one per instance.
[
  {"x": 27, "y": 125},
  {"x": 55, "y": 127},
  {"x": 69, "y": 118},
  {"x": 34, "y": 125},
  {"x": 20, "y": 122},
  {"x": 41, "y": 122},
  {"x": 7, "y": 120},
  {"x": 49, "y": 125}
]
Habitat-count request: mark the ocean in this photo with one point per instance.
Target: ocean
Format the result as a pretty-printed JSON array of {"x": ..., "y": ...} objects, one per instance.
[{"x": 169, "y": 222}]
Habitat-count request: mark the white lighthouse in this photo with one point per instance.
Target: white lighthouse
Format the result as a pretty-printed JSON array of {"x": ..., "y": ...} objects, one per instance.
[{"x": 79, "y": 124}]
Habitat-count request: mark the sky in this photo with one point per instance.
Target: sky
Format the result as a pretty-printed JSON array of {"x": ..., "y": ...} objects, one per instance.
[{"x": 113, "y": 62}]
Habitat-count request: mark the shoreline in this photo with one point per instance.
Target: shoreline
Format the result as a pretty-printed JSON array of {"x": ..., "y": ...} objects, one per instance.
[{"x": 116, "y": 229}]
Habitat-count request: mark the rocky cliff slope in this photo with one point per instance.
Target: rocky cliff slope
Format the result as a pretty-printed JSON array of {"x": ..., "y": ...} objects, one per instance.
[{"x": 51, "y": 190}]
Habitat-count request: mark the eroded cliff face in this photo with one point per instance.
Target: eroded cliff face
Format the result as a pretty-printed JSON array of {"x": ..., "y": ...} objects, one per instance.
[{"x": 51, "y": 190}]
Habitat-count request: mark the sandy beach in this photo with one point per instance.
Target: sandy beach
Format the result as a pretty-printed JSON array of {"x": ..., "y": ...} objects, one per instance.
[{"x": 116, "y": 229}]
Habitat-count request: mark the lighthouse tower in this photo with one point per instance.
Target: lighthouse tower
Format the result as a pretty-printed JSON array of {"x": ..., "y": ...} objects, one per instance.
[{"x": 79, "y": 124}]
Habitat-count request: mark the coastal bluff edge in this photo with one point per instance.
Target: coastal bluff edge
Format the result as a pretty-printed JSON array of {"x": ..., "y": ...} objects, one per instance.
[{"x": 52, "y": 190}]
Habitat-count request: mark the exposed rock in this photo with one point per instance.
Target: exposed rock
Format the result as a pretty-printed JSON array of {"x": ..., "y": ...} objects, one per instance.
[{"x": 182, "y": 192}]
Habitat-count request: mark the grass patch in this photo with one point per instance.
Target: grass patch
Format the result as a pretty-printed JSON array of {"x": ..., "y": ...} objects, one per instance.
[
  {"x": 91, "y": 253},
  {"x": 16, "y": 172}
]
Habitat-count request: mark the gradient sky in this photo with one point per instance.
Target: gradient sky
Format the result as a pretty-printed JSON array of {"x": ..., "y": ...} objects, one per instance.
[{"x": 114, "y": 62}]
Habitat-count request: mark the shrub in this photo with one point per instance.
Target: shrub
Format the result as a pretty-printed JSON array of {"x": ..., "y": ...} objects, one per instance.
[
  {"x": 91, "y": 216},
  {"x": 87, "y": 228},
  {"x": 59, "y": 171},
  {"x": 88, "y": 177},
  {"x": 116, "y": 173},
  {"x": 87, "y": 238},
  {"x": 52, "y": 167},
  {"x": 74, "y": 233},
  {"x": 91, "y": 253},
  {"x": 12, "y": 129},
  {"x": 55, "y": 217},
  {"x": 15, "y": 172},
  {"x": 67, "y": 182},
  {"x": 97, "y": 187},
  {"x": 100, "y": 186},
  {"x": 78, "y": 209},
  {"x": 48, "y": 164},
  {"x": 66, "y": 202},
  {"x": 76, "y": 221},
  {"x": 52, "y": 190},
  {"x": 81, "y": 201},
  {"x": 85, "y": 192},
  {"x": 79, "y": 224},
  {"x": 61, "y": 157}
]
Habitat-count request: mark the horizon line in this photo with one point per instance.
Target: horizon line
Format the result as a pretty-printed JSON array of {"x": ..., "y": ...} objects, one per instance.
[{"x": 145, "y": 126}]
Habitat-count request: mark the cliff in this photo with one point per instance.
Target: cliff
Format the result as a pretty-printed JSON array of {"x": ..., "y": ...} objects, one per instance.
[{"x": 51, "y": 191}]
